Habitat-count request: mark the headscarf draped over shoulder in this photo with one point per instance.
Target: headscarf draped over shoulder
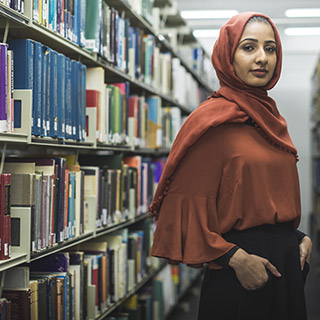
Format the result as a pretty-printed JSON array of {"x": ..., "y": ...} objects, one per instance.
[{"x": 234, "y": 102}]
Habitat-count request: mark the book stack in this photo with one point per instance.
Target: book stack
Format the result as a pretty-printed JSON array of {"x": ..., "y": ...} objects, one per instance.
[
  {"x": 17, "y": 5},
  {"x": 54, "y": 192},
  {"x": 83, "y": 282},
  {"x": 122, "y": 187},
  {"x": 58, "y": 86},
  {"x": 6, "y": 89},
  {"x": 67, "y": 18},
  {"x": 5, "y": 219}
]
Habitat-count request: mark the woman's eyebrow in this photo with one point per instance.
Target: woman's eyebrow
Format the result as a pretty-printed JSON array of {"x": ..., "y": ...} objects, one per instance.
[{"x": 255, "y": 40}]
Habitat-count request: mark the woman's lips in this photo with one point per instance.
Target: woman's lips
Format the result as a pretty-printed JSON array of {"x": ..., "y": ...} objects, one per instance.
[{"x": 260, "y": 73}]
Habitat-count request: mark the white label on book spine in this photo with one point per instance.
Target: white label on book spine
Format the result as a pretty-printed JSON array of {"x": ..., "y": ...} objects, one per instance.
[
  {"x": 33, "y": 245},
  {"x": 55, "y": 126},
  {"x": 3, "y": 126},
  {"x": 48, "y": 125},
  {"x": 104, "y": 216},
  {"x": 6, "y": 251},
  {"x": 61, "y": 236},
  {"x": 39, "y": 244},
  {"x": 74, "y": 130},
  {"x": 39, "y": 123},
  {"x": 90, "y": 43},
  {"x": 63, "y": 128}
]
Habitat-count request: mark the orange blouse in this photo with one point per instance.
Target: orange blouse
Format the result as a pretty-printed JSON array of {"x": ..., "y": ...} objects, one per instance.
[{"x": 231, "y": 178}]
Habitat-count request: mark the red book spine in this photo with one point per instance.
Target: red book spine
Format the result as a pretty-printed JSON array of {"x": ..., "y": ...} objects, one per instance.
[{"x": 92, "y": 101}]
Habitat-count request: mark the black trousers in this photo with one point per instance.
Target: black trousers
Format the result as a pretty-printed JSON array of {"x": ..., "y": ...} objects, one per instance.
[{"x": 224, "y": 298}]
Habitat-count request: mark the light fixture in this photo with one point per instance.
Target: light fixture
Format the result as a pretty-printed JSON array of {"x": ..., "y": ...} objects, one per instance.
[
  {"x": 206, "y": 33},
  {"x": 303, "y": 12},
  {"x": 302, "y": 31},
  {"x": 208, "y": 14}
]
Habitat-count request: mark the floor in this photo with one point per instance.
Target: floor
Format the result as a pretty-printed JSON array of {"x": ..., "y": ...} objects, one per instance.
[{"x": 187, "y": 309}]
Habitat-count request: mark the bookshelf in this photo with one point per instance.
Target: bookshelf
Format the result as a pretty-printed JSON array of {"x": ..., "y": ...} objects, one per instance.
[{"x": 22, "y": 142}]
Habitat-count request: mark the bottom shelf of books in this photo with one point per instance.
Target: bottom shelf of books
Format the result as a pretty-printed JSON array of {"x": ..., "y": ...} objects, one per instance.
[{"x": 109, "y": 277}]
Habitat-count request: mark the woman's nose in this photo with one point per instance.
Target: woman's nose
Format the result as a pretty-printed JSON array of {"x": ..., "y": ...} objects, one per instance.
[{"x": 261, "y": 56}]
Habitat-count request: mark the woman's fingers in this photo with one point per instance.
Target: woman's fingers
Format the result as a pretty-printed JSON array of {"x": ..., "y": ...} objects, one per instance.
[{"x": 271, "y": 268}]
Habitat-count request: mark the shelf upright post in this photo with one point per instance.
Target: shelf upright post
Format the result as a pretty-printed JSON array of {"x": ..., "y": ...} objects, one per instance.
[
  {"x": 2, "y": 275},
  {"x": 3, "y": 156},
  {"x": 6, "y": 31}
]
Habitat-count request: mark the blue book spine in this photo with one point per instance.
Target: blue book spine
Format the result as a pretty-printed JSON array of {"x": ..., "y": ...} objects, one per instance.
[
  {"x": 82, "y": 23},
  {"x": 76, "y": 22},
  {"x": 61, "y": 95},
  {"x": 65, "y": 12},
  {"x": 119, "y": 40},
  {"x": 153, "y": 109},
  {"x": 137, "y": 53},
  {"x": 65, "y": 294},
  {"x": 37, "y": 89},
  {"x": 77, "y": 105},
  {"x": 68, "y": 99},
  {"x": 54, "y": 95},
  {"x": 48, "y": 91},
  {"x": 83, "y": 101},
  {"x": 73, "y": 100},
  {"x": 43, "y": 131},
  {"x": 23, "y": 62}
]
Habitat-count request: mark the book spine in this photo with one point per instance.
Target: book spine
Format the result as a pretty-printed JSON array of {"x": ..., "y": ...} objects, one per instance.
[
  {"x": 61, "y": 81},
  {"x": 54, "y": 94},
  {"x": 3, "y": 87}
]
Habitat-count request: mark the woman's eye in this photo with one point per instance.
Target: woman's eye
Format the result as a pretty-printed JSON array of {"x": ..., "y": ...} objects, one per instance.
[
  {"x": 271, "y": 49},
  {"x": 247, "y": 48}
]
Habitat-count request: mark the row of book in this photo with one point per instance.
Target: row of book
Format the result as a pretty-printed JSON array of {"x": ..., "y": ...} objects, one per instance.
[
  {"x": 58, "y": 87},
  {"x": 17, "y": 5},
  {"x": 75, "y": 20},
  {"x": 129, "y": 119},
  {"x": 6, "y": 89},
  {"x": 155, "y": 300},
  {"x": 68, "y": 200},
  {"x": 84, "y": 282},
  {"x": 190, "y": 94},
  {"x": 65, "y": 17}
]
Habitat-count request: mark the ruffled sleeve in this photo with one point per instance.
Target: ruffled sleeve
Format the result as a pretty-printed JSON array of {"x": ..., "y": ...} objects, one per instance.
[{"x": 188, "y": 228}]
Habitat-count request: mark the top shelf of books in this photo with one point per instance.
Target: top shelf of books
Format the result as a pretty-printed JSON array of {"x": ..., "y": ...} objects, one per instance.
[{"x": 99, "y": 30}]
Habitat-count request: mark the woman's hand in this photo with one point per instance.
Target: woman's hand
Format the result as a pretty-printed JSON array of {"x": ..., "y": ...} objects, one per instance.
[
  {"x": 251, "y": 269},
  {"x": 305, "y": 248}
]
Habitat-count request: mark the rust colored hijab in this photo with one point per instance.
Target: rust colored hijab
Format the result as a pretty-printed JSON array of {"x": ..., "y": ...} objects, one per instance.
[{"x": 234, "y": 102}]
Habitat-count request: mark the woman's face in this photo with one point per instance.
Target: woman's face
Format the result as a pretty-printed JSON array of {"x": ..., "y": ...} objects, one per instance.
[{"x": 255, "y": 58}]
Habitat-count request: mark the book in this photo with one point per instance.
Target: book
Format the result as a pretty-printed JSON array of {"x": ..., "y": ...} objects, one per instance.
[
  {"x": 5, "y": 223},
  {"x": 34, "y": 300},
  {"x": 95, "y": 81},
  {"x": 20, "y": 302},
  {"x": 92, "y": 101},
  {"x": 3, "y": 87},
  {"x": 93, "y": 18}
]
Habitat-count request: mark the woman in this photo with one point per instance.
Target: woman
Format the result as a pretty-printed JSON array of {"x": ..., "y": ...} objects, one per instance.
[{"x": 229, "y": 194}]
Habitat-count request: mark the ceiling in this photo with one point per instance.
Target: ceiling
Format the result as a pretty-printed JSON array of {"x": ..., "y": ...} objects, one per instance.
[{"x": 275, "y": 9}]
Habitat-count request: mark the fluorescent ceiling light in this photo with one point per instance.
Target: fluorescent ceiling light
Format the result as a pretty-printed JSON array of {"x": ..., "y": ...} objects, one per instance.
[
  {"x": 303, "y": 12},
  {"x": 208, "y": 14},
  {"x": 302, "y": 31},
  {"x": 206, "y": 33}
]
